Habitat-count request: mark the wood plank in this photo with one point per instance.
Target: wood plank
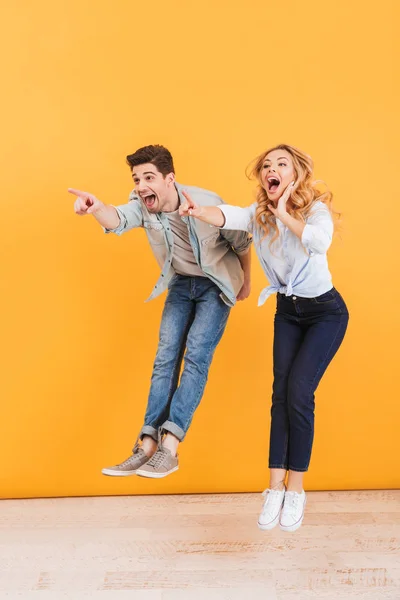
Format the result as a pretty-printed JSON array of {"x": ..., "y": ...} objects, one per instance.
[{"x": 207, "y": 546}]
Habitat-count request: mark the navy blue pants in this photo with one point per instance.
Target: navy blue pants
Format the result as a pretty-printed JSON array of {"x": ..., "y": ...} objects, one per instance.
[{"x": 307, "y": 334}]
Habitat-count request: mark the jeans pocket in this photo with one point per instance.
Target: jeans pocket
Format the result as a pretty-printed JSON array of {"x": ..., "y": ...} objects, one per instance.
[{"x": 327, "y": 297}]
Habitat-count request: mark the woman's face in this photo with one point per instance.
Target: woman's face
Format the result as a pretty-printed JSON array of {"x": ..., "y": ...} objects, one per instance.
[{"x": 277, "y": 172}]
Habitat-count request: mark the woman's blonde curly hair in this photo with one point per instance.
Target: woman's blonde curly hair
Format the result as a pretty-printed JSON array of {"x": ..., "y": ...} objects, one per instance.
[{"x": 302, "y": 199}]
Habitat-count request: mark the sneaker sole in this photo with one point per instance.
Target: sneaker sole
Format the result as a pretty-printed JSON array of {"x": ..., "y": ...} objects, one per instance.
[
  {"x": 111, "y": 473},
  {"x": 292, "y": 527},
  {"x": 295, "y": 526},
  {"x": 155, "y": 475}
]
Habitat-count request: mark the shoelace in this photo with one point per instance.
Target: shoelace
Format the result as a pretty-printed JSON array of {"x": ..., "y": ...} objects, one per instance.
[
  {"x": 158, "y": 458},
  {"x": 293, "y": 498},
  {"x": 128, "y": 461},
  {"x": 136, "y": 446},
  {"x": 267, "y": 494}
]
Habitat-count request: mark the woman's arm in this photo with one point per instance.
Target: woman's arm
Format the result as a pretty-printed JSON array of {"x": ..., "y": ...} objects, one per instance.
[
  {"x": 209, "y": 214},
  {"x": 316, "y": 234},
  {"x": 224, "y": 216}
]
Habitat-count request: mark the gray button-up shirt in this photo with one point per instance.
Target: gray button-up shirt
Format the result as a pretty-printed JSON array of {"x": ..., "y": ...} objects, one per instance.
[{"x": 216, "y": 251}]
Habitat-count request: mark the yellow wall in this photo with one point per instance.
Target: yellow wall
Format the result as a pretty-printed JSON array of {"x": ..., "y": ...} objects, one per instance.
[{"x": 86, "y": 82}]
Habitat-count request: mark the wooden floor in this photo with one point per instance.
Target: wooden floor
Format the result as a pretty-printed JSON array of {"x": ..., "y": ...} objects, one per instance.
[{"x": 203, "y": 547}]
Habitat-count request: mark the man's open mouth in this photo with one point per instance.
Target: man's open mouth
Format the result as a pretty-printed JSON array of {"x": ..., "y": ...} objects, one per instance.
[
  {"x": 149, "y": 200},
  {"x": 273, "y": 184}
]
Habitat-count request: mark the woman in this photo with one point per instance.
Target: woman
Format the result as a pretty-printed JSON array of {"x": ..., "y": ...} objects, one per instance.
[{"x": 292, "y": 226}]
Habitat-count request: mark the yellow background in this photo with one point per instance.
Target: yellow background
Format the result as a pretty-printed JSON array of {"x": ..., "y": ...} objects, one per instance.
[{"x": 86, "y": 82}]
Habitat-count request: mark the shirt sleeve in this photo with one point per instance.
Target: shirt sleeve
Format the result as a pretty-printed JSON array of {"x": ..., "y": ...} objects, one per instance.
[
  {"x": 130, "y": 216},
  {"x": 237, "y": 218},
  {"x": 239, "y": 240},
  {"x": 318, "y": 232}
]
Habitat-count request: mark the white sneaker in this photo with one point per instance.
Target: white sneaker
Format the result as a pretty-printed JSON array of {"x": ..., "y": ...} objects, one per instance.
[
  {"x": 293, "y": 511},
  {"x": 271, "y": 509}
]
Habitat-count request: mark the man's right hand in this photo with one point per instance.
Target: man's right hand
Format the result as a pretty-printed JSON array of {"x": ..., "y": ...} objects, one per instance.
[{"x": 85, "y": 204}]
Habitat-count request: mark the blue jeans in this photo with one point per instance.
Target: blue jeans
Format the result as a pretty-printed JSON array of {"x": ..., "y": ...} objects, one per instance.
[
  {"x": 308, "y": 333},
  {"x": 194, "y": 319}
]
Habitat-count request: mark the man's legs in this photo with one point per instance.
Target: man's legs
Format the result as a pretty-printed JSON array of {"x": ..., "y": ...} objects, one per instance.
[
  {"x": 210, "y": 318},
  {"x": 177, "y": 317}
]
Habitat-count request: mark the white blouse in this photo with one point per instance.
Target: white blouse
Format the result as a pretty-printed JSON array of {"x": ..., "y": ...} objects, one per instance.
[{"x": 292, "y": 266}]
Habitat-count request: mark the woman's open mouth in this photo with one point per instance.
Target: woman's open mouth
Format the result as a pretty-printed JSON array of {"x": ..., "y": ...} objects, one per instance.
[{"x": 273, "y": 184}]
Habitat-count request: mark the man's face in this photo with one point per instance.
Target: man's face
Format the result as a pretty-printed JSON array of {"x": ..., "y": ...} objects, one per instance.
[{"x": 152, "y": 187}]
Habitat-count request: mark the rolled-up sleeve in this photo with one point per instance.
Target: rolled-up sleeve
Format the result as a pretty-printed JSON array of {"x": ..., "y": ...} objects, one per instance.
[
  {"x": 239, "y": 240},
  {"x": 130, "y": 216},
  {"x": 318, "y": 231}
]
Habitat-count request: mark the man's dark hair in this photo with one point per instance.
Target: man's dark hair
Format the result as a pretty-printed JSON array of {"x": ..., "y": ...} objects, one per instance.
[{"x": 157, "y": 155}]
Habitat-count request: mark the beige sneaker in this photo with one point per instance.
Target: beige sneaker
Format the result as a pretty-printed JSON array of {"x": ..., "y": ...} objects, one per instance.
[
  {"x": 161, "y": 464},
  {"x": 129, "y": 466}
]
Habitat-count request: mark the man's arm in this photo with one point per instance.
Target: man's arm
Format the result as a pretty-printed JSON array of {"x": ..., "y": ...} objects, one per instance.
[
  {"x": 113, "y": 219},
  {"x": 87, "y": 204},
  {"x": 245, "y": 261}
]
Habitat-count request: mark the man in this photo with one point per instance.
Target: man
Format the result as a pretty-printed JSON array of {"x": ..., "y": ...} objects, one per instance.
[{"x": 205, "y": 271}]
